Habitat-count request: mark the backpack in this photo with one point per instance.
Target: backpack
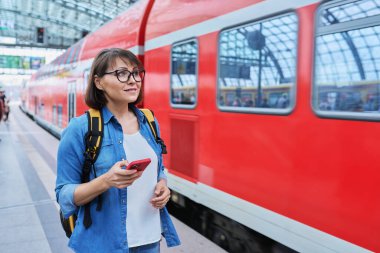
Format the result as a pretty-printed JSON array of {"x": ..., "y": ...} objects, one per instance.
[{"x": 93, "y": 142}]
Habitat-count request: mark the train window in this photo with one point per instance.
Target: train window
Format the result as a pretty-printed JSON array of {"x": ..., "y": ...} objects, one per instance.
[
  {"x": 77, "y": 50},
  {"x": 86, "y": 75},
  {"x": 54, "y": 119},
  {"x": 70, "y": 55},
  {"x": 346, "y": 67},
  {"x": 59, "y": 112},
  {"x": 71, "y": 100},
  {"x": 184, "y": 73},
  {"x": 257, "y": 66}
]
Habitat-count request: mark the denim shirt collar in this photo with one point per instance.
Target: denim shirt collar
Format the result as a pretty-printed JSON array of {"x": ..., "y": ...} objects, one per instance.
[{"x": 107, "y": 114}]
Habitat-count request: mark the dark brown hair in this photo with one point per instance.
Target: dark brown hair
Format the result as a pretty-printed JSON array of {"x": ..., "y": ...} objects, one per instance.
[{"x": 94, "y": 97}]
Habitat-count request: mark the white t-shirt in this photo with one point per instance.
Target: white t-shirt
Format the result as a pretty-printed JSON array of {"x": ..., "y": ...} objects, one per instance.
[{"x": 143, "y": 220}]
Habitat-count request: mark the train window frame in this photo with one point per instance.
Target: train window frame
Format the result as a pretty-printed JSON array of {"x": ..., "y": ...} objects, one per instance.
[
  {"x": 357, "y": 24},
  {"x": 185, "y": 106},
  {"x": 292, "y": 98}
]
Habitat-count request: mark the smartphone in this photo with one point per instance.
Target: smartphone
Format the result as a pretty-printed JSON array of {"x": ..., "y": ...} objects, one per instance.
[{"x": 139, "y": 165}]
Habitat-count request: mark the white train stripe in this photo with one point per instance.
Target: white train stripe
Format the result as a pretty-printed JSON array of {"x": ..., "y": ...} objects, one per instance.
[
  {"x": 137, "y": 50},
  {"x": 252, "y": 12},
  {"x": 289, "y": 232}
]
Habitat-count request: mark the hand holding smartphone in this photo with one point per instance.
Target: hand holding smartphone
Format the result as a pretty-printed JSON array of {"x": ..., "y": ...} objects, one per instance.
[{"x": 139, "y": 165}]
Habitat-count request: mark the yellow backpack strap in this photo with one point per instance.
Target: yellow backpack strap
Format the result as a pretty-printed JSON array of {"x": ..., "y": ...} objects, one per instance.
[
  {"x": 72, "y": 223},
  {"x": 150, "y": 117},
  {"x": 95, "y": 133},
  {"x": 153, "y": 127},
  {"x": 93, "y": 142}
]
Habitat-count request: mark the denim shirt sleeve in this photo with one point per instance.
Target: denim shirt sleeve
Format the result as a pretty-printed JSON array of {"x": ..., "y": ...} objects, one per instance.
[{"x": 69, "y": 164}]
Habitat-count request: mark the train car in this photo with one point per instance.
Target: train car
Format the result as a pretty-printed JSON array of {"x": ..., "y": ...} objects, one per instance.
[{"x": 270, "y": 111}]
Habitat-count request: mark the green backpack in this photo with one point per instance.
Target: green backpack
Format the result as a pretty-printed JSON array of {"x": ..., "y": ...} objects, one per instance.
[{"x": 93, "y": 141}]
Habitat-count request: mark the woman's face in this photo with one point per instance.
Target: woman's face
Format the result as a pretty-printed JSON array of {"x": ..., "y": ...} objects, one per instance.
[{"x": 116, "y": 91}]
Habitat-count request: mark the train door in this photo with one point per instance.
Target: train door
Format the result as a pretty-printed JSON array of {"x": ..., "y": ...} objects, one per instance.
[
  {"x": 71, "y": 100},
  {"x": 184, "y": 95},
  {"x": 41, "y": 109},
  {"x": 35, "y": 105}
]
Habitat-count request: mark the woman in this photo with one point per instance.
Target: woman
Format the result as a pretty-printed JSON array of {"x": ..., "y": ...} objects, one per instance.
[{"x": 133, "y": 213}]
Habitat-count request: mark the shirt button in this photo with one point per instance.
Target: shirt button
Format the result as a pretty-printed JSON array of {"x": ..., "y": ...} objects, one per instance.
[{"x": 120, "y": 142}]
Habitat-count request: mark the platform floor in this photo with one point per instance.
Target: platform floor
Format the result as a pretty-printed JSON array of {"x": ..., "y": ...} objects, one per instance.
[{"x": 29, "y": 220}]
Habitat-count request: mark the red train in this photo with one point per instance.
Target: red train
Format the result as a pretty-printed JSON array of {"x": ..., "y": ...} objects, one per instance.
[{"x": 270, "y": 110}]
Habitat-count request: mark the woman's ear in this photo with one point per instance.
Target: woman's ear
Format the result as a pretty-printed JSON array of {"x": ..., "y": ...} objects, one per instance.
[{"x": 97, "y": 82}]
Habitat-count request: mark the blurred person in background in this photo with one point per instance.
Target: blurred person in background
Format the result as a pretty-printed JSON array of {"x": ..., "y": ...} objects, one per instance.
[
  {"x": 1, "y": 104},
  {"x": 6, "y": 109}
]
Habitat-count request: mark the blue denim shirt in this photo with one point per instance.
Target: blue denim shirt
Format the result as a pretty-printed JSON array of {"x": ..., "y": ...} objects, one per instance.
[{"x": 108, "y": 230}]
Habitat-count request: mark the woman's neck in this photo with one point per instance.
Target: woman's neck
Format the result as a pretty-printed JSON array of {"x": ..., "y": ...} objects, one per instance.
[
  {"x": 126, "y": 117},
  {"x": 121, "y": 112}
]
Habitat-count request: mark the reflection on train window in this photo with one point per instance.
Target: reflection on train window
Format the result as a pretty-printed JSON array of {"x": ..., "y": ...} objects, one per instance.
[
  {"x": 184, "y": 74},
  {"x": 349, "y": 11},
  {"x": 347, "y": 69},
  {"x": 257, "y": 66}
]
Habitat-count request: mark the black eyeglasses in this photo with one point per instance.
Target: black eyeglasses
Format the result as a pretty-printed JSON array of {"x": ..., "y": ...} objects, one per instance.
[{"x": 123, "y": 75}]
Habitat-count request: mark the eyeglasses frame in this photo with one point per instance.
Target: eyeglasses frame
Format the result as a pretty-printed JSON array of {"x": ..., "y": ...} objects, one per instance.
[{"x": 115, "y": 72}]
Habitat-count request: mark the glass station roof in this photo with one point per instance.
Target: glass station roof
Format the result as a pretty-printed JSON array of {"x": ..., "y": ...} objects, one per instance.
[{"x": 62, "y": 22}]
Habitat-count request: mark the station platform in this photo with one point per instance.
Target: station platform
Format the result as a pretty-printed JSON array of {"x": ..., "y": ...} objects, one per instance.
[{"x": 29, "y": 218}]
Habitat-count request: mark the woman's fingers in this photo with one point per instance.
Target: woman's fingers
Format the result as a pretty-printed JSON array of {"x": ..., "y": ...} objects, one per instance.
[
  {"x": 127, "y": 180},
  {"x": 119, "y": 177},
  {"x": 162, "y": 198}
]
